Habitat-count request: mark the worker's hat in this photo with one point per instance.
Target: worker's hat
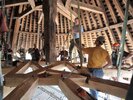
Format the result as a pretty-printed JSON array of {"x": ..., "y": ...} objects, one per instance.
[
  {"x": 116, "y": 45},
  {"x": 101, "y": 39}
]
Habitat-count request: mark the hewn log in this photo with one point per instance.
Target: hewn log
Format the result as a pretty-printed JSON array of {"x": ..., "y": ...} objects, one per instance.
[{"x": 50, "y": 12}]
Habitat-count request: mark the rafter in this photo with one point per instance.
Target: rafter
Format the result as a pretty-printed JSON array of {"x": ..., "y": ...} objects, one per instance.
[
  {"x": 107, "y": 86},
  {"x": 68, "y": 3},
  {"x": 26, "y": 88},
  {"x": 32, "y": 3},
  {"x": 111, "y": 26},
  {"x": 16, "y": 30},
  {"x": 87, "y": 7},
  {"x": 9, "y": 3},
  {"x": 28, "y": 11},
  {"x": 111, "y": 11},
  {"x": 64, "y": 11},
  {"x": 69, "y": 88}
]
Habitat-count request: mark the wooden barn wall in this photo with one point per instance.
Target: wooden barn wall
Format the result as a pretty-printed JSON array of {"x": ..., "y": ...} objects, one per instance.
[{"x": 109, "y": 24}]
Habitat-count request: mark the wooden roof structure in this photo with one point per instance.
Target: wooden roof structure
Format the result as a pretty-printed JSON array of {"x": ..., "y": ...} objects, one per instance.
[
  {"x": 26, "y": 27},
  {"x": 98, "y": 17},
  {"x": 25, "y": 84}
]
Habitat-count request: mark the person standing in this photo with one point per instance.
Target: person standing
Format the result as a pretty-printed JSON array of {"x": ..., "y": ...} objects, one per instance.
[
  {"x": 114, "y": 55},
  {"x": 76, "y": 30},
  {"x": 35, "y": 54},
  {"x": 98, "y": 59}
]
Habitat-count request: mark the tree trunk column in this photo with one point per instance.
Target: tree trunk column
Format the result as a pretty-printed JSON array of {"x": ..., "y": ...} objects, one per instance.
[{"x": 50, "y": 12}]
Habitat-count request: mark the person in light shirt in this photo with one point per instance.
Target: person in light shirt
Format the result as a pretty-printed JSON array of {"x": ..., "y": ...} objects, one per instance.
[
  {"x": 98, "y": 59},
  {"x": 76, "y": 30}
]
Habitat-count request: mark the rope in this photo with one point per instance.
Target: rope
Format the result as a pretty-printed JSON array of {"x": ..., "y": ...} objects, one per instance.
[{"x": 81, "y": 56}]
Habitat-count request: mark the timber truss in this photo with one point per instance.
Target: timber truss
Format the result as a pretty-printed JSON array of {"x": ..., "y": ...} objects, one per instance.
[{"x": 69, "y": 82}]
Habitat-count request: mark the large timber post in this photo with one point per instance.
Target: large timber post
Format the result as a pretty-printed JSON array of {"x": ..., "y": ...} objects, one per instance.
[{"x": 50, "y": 12}]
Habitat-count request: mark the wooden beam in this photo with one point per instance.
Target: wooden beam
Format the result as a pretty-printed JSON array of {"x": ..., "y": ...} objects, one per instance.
[
  {"x": 41, "y": 17},
  {"x": 88, "y": 20},
  {"x": 14, "y": 80},
  {"x": 87, "y": 7},
  {"x": 69, "y": 88},
  {"x": 45, "y": 68},
  {"x": 111, "y": 11},
  {"x": 65, "y": 12},
  {"x": 23, "y": 91},
  {"x": 6, "y": 70},
  {"x": 50, "y": 80},
  {"x": 28, "y": 11},
  {"x": 111, "y": 87},
  {"x": 9, "y": 3},
  {"x": 68, "y": 92},
  {"x": 121, "y": 12},
  {"x": 119, "y": 8},
  {"x": 20, "y": 69},
  {"x": 50, "y": 12},
  {"x": 68, "y": 3},
  {"x": 32, "y": 3},
  {"x": 111, "y": 26},
  {"x": 16, "y": 30}
]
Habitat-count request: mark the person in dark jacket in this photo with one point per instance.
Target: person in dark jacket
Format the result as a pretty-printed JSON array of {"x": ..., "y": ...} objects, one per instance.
[
  {"x": 114, "y": 54},
  {"x": 35, "y": 54}
]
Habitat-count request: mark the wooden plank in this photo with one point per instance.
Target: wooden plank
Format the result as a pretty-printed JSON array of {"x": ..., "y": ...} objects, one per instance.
[
  {"x": 34, "y": 25},
  {"x": 24, "y": 91},
  {"x": 88, "y": 20},
  {"x": 50, "y": 80},
  {"x": 107, "y": 86},
  {"x": 41, "y": 17},
  {"x": 110, "y": 26},
  {"x": 28, "y": 11},
  {"x": 83, "y": 20},
  {"x": 45, "y": 68},
  {"x": 93, "y": 19},
  {"x": 98, "y": 16},
  {"x": 111, "y": 11},
  {"x": 87, "y": 7},
  {"x": 13, "y": 80},
  {"x": 61, "y": 23},
  {"x": 9, "y": 3},
  {"x": 20, "y": 69},
  {"x": 129, "y": 36},
  {"x": 119, "y": 9},
  {"x": 16, "y": 29},
  {"x": 11, "y": 17},
  {"x": 30, "y": 27},
  {"x": 100, "y": 20},
  {"x": 66, "y": 12},
  {"x": 69, "y": 88},
  {"x": 32, "y": 3},
  {"x": 91, "y": 40},
  {"x": 68, "y": 3},
  {"x": 38, "y": 31},
  {"x": 107, "y": 23},
  {"x": 6, "y": 70},
  {"x": 27, "y": 42},
  {"x": 65, "y": 25}
]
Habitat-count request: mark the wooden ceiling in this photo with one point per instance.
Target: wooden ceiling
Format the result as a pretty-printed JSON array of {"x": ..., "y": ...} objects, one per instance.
[{"x": 98, "y": 17}]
